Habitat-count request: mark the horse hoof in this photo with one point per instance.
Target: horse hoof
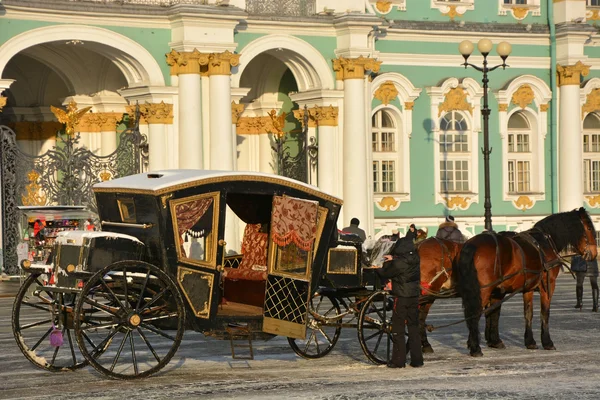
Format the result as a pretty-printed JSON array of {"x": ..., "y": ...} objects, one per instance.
[
  {"x": 551, "y": 347},
  {"x": 477, "y": 353},
  {"x": 500, "y": 345},
  {"x": 532, "y": 346},
  {"x": 427, "y": 349}
]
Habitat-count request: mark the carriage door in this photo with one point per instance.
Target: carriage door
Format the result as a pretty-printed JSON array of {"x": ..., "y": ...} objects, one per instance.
[
  {"x": 293, "y": 231},
  {"x": 198, "y": 230}
]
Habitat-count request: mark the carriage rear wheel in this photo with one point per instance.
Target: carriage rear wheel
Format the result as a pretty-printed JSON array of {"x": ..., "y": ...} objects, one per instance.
[
  {"x": 375, "y": 327},
  {"x": 40, "y": 319},
  {"x": 323, "y": 328},
  {"x": 134, "y": 313}
]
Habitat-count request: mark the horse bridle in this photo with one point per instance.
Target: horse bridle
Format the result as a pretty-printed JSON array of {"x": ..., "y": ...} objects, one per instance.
[{"x": 587, "y": 254}]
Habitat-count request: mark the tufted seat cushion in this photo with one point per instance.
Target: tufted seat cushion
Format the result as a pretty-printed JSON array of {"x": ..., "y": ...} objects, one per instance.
[{"x": 253, "y": 266}]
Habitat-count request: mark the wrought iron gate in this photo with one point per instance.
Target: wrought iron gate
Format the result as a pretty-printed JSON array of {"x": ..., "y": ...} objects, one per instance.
[{"x": 63, "y": 175}]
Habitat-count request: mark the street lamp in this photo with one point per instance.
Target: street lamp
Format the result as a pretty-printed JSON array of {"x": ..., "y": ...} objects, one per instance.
[{"x": 503, "y": 49}]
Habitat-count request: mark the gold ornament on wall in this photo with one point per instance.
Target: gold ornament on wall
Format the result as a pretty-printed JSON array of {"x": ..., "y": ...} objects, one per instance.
[
  {"x": 455, "y": 99},
  {"x": 593, "y": 201},
  {"x": 105, "y": 176},
  {"x": 253, "y": 125},
  {"x": 2, "y": 102},
  {"x": 523, "y": 96},
  {"x": 455, "y": 202},
  {"x": 383, "y": 6},
  {"x": 236, "y": 111},
  {"x": 502, "y": 107},
  {"x": 593, "y": 15},
  {"x": 386, "y": 92},
  {"x": 452, "y": 13},
  {"x": 71, "y": 117},
  {"x": 388, "y": 203},
  {"x": 523, "y": 203},
  {"x": 520, "y": 12},
  {"x": 34, "y": 195},
  {"x": 544, "y": 107},
  {"x": 409, "y": 105},
  {"x": 592, "y": 102}
]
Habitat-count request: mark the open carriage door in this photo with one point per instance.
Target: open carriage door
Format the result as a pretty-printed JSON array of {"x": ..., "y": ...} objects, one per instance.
[
  {"x": 198, "y": 230},
  {"x": 293, "y": 232}
]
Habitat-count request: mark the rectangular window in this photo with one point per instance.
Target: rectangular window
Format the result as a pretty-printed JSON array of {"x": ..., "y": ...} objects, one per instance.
[
  {"x": 591, "y": 176},
  {"x": 375, "y": 176},
  {"x": 454, "y": 143},
  {"x": 593, "y": 3},
  {"x": 518, "y": 143},
  {"x": 374, "y": 140},
  {"x": 387, "y": 141},
  {"x": 519, "y": 176},
  {"x": 454, "y": 176},
  {"x": 515, "y": 1},
  {"x": 384, "y": 176}
]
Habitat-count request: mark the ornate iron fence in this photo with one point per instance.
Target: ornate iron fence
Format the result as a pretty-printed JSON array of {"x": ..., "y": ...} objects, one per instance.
[
  {"x": 292, "y": 8},
  {"x": 163, "y": 3},
  {"x": 63, "y": 175}
]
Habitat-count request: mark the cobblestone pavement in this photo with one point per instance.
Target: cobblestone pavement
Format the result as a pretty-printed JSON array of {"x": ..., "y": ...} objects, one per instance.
[{"x": 203, "y": 367}]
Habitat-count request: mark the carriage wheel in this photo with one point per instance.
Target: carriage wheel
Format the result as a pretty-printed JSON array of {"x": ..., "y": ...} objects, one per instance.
[
  {"x": 39, "y": 314},
  {"x": 322, "y": 331},
  {"x": 135, "y": 313},
  {"x": 375, "y": 327}
]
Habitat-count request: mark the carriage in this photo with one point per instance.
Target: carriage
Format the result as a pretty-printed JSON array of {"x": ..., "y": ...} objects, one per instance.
[{"x": 121, "y": 298}]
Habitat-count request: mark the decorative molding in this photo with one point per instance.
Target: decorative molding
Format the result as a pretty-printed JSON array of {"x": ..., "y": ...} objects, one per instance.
[
  {"x": 130, "y": 110},
  {"x": 453, "y": 12},
  {"x": 254, "y": 125},
  {"x": 99, "y": 122},
  {"x": 523, "y": 96},
  {"x": 502, "y": 107},
  {"x": 409, "y": 105},
  {"x": 299, "y": 115},
  {"x": 221, "y": 63},
  {"x": 387, "y": 203},
  {"x": 383, "y": 6},
  {"x": 523, "y": 203},
  {"x": 520, "y": 11},
  {"x": 2, "y": 102},
  {"x": 354, "y": 68},
  {"x": 592, "y": 102},
  {"x": 592, "y": 15},
  {"x": 386, "y": 92},
  {"x": 544, "y": 107},
  {"x": 458, "y": 202},
  {"x": 35, "y": 130},
  {"x": 236, "y": 111},
  {"x": 593, "y": 201},
  {"x": 571, "y": 74},
  {"x": 457, "y": 9},
  {"x": 157, "y": 113},
  {"x": 455, "y": 99}
]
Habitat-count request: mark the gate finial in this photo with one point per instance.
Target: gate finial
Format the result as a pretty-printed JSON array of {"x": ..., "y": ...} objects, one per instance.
[{"x": 71, "y": 117}]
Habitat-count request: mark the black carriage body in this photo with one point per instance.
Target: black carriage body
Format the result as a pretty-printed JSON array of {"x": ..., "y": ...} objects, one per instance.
[
  {"x": 79, "y": 254},
  {"x": 143, "y": 206}
]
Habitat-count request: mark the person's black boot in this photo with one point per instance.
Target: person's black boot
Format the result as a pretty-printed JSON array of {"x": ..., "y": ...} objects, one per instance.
[
  {"x": 579, "y": 293},
  {"x": 595, "y": 299}
]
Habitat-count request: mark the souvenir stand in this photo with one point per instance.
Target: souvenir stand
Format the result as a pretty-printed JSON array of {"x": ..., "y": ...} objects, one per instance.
[{"x": 41, "y": 224}]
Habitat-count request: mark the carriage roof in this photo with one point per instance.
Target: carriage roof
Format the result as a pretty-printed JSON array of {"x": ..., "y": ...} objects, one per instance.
[{"x": 161, "y": 182}]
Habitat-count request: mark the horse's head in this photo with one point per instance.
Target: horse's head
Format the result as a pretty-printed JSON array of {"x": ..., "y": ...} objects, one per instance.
[{"x": 586, "y": 243}]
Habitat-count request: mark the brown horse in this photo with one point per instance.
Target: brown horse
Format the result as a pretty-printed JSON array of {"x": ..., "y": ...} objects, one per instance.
[
  {"x": 437, "y": 257},
  {"x": 491, "y": 266}
]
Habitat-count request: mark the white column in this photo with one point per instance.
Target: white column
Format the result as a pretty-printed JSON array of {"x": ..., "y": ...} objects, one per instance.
[
  {"x": 265, "y": 160},
  {"x": 221, "y": 141},
  {"x": 157, "y": 159},
  {"x": 190, "y": 122},
  {"x": 355, "y": 153},
  {"x": 326, "y": 159},
  {"x": 570, "y": 142}
]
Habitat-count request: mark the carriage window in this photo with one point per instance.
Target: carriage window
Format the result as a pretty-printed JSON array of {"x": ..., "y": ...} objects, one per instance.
[
  {"x": 127, "y": 210},
  {"x": 195, "y": 226}
]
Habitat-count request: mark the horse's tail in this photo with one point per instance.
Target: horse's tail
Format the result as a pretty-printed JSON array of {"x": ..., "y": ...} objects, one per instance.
[{"x": 469, "y": 288}]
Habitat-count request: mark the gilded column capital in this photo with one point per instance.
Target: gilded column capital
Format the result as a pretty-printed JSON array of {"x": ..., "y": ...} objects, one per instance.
[
  {"x": 503, "y": 107},
  {"x": 221, "y": 63},
  {"x": 157, "y": 113},
  {"x": 409, "y": 105},
  {"x": 2, "y": 102},
  {"x": 299, "y": 115},
  {"x": 571, "y": 74},
  {"x": 35, "y": 130},
  {"x": 326, "y": 116},
  {"x": 99, "y": 122},
  {"x": 130, "y": 109},
  {"x": 354, "y": 68},
  {"x": 236, "y": 111},
  {"x": 254, "y": 125},
  {"x": 187, "y": 62}
]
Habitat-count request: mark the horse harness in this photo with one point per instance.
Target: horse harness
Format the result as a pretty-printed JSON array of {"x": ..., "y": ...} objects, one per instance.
[{"x": 443, "y": 271}]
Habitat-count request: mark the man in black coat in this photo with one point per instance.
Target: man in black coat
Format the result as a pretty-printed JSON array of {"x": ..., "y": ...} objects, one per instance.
[{"x": 402, "y": 266}]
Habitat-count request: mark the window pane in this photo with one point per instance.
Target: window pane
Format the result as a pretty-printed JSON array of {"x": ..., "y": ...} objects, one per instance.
[
  {"x": 375, "y": 176},
  {"x": 511, "y": 176},
  {"x": 591, "y": 121},
  {"x": 374, "y": 136},
  {"x": 518, "y": 121},
  {"x": 387, "y": 176},
  {"x": 387, "y": 121},
  {"x": 292, "y": 260},
  {"x": 387, "y": 141},
  {"x": 194, "y": 225}
]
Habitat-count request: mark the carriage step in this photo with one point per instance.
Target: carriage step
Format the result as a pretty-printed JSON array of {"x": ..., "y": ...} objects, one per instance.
[{"x": 238, "y": 332}]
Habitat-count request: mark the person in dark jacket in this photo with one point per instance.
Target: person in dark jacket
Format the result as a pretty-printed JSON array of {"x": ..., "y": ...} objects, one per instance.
[
  {"x": 582, "y": 269},
  {"x": 402, "y": 266},
  {"x": 449, "y": 230},
  {"x": 353, "y": 228},
  {"x": 412, "y": 232}
]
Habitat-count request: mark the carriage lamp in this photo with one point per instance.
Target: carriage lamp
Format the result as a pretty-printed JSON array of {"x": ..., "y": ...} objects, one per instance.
[{"x": 503, "y": 49}]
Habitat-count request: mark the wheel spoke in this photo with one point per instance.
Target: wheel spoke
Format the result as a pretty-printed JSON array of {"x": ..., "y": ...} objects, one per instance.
[
  {"x": 148, "y": 344},
  {"x": 135, "y": 366},
  {"x": 100, "y": 306},
  {"x": 118, "y": 355},
  {"x": 157, "y": 331},
  {"x": 312, "y": 333},
  {"x": 36, "y": 305},
  {"x": 139, "y": 302},
  {"x": 101, "y": 326},
  {"x": 41, "y": 339},
  {"x": 157, "y": 297},
  {"x": 32, "y": 325},
  {"x": 173, "y": 314},
  {"x": 111, "y": 291},
  {"x": 71, "y": 347},
  {"x": 325, "y": 335},
  {"x": 378, "y": 342},
  {"x": 372, "y": 336},
  {"x": 125, "y": 288},
  {"x": 316, "y": 342},
  {"x": 105, "y": 343}
]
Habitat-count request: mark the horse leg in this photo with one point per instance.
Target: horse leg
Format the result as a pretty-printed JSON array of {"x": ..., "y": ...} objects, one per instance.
[
  {"x": 528, "y": 312},
  {"x": 545, "y": 299},
  {"x": 493, "y": 320},
  {"x": 423, "y": 312}
]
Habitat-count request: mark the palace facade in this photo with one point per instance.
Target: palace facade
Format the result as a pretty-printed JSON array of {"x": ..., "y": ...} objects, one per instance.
[{"x": 394, "y": 118}]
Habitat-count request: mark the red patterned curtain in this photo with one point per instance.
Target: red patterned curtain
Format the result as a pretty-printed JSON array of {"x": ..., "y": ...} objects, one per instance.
[
  {"x": 188, "y": 214},
  {"x": 294, "y": 220}
]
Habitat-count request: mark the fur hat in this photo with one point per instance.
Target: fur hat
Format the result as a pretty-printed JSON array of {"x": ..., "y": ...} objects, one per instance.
[
  {"x": 449, "y": 218},
  {"x": 424, "y": 229}
]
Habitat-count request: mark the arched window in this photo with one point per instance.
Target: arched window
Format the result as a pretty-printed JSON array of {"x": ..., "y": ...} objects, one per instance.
[
  {"x": 591, "y": 153},
  {"x": 384, "y": 146},
  {"x": 519, "y": 154},
  {"x": 455, "y": 153}
]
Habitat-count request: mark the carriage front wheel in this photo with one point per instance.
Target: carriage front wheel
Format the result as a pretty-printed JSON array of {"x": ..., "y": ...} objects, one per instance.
[
  {"x": 134, "y": 313},
  {"x": 375, "y": 327},
  {"x": 323, "y": 328}
]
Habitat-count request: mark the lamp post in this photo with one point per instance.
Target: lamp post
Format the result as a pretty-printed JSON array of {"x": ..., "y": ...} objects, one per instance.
[{"x": 503, "y": 49}]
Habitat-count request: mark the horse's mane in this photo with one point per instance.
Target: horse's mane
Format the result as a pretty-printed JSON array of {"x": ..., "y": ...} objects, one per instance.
[{"x": 565, "y": 228}]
